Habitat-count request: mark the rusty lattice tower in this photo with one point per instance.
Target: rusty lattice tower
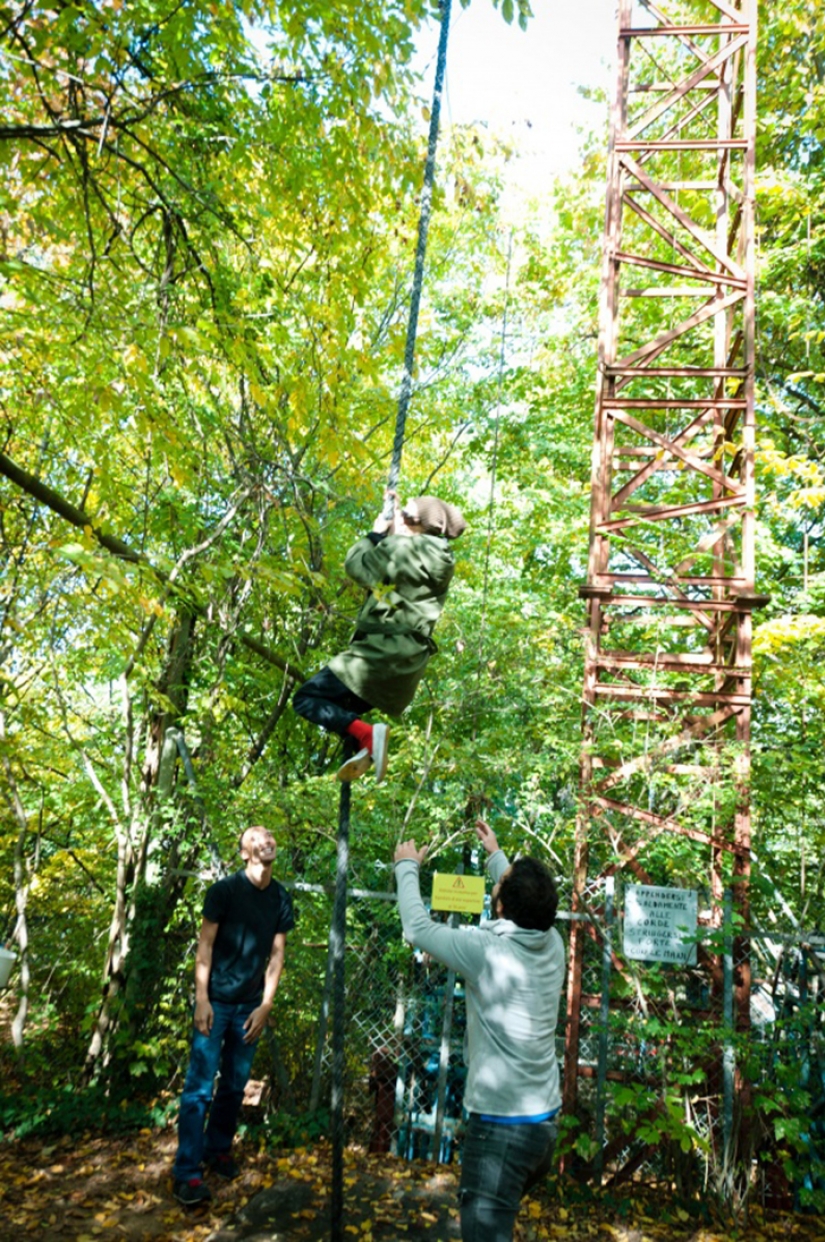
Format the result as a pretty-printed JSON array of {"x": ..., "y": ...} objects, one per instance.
[{"x": 670, "y": 588}]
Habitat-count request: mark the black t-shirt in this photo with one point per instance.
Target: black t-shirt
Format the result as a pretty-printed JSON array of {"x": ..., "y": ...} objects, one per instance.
[{"x": 248, "y": 919}]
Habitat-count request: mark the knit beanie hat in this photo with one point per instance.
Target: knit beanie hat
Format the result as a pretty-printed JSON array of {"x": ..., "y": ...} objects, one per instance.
[{"x": 438, "y": 517}]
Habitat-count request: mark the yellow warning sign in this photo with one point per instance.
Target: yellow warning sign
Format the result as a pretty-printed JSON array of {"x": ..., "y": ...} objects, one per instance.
[{"x": 463, "y": 893}]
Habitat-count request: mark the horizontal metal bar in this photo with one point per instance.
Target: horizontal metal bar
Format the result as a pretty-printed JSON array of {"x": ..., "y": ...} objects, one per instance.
[
  {"x": 660, "y": 601},
  {"x": 670, "y": 664},
  {"x": 658, "y": 694},
  {"x": 660, "y": 291},
  {"x": 683, "y": 144},
  {"x": 673, "y": 403},
  {"x": 649, "y": 32},
  {"x": 666, "y": 88},
  {"x": 708, "y": 186},
  {"x": 674, "y": 579},
  {"x": 651, "y": 618},
  {"x": 675, "y": 372},
  {"x": 329, "y": 889}
]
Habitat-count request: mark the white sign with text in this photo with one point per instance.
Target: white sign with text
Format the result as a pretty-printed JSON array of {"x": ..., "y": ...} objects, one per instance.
[{"x": 658, "y": 921}]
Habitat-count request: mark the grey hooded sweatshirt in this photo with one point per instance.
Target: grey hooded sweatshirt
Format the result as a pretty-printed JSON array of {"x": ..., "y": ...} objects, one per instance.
[{"x": 514, "y": 978}]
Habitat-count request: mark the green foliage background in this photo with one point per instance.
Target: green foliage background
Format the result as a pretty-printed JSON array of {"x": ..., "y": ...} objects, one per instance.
[{"x": 206, "y": 248}]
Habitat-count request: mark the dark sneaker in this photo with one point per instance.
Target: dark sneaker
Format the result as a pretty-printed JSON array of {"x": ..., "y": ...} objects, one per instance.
[
  {"x": 193, "y": 1192},
  {"x": 352, "y": 768},
  {"x": 223, "y": 1164},
  {"x": 380, "y": 742}
]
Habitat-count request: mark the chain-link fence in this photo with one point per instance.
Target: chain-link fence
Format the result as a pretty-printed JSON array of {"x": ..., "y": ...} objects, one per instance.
[
  {"x": 711, "y": 1074},
  {"x": 668, "y": 1082}
]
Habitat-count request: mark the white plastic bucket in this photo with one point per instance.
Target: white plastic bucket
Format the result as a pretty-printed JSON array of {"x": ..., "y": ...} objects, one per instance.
[{"x": 7, "y": 959}]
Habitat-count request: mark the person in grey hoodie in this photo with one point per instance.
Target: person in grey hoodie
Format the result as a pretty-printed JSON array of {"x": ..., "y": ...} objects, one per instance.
[{"x": 513, "y": 966}]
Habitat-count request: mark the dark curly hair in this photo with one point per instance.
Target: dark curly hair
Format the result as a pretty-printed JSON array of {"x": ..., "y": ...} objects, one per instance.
[{"x": 527, "y": 895}]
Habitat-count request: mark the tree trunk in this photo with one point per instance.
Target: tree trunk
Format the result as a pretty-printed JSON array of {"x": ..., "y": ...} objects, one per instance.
[
  {"x": 22, "y": 884},
  {"x": 140, "y": 913}
]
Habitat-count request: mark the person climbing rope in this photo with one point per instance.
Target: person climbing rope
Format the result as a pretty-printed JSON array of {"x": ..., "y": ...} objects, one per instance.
[{"x": 406, "y": 564}]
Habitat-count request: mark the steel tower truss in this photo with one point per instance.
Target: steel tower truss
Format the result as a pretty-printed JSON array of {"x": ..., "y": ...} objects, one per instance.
[{"x": 670, "y": 588}]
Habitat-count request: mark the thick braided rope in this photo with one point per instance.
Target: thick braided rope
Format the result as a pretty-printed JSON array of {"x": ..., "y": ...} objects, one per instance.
[{"x": 420, "y": 253}]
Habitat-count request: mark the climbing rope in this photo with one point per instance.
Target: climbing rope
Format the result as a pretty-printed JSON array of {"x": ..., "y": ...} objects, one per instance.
[
  {"x": 339, "y": 918},
  {"x": 420, "y": 255}
]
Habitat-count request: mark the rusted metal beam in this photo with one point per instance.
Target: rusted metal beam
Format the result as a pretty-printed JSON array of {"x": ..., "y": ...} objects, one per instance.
[{"x": 650, "y": 32}]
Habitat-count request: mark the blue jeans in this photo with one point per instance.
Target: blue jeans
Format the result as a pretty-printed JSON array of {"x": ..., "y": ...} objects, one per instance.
[
  {"x": 223, "y": 1048},
  {"x": 499, "y": 1164}
]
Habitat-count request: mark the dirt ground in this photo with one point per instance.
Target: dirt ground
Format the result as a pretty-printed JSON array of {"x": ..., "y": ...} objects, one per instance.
[
  {"x": 103, "y": 1187},
  {"x": 96, "y": 1188}
]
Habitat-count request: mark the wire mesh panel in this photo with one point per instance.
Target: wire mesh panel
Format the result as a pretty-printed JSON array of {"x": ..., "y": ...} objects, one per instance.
[
  {"x": 651, "y": 1075},
  {"x": 653, "y": 1102},
  {"x": 396, "y": 1000},
  {"x": 405, "y": 1025}
]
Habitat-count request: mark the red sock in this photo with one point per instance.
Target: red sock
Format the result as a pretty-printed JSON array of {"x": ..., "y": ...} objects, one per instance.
[{"x": 362, "y": 732}]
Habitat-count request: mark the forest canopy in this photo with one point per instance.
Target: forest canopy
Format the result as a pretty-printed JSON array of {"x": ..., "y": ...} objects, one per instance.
[{"x": 207, "y": 227}]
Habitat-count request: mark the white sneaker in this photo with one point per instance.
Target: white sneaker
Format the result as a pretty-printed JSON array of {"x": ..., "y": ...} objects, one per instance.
[
  {"x": 352, "y": 768},
  {"x": 380, "y": 747}
]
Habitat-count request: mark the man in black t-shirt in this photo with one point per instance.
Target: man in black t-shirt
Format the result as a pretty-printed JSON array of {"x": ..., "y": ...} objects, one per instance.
[{"x": 238, "y": 963}]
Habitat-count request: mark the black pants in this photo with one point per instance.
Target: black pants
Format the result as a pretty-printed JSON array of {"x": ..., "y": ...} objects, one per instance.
[{"x": 326, "y": 701}]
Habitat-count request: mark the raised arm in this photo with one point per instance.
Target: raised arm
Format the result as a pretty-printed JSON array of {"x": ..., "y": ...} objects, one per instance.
[{"x": 450, "y": 945}]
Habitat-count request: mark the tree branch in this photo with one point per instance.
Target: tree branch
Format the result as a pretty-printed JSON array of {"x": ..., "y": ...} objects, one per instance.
[{"x": 76, "y": 517}]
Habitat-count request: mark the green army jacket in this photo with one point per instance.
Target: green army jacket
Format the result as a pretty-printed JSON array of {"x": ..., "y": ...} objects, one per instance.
[{"x": 407, "y": 577}]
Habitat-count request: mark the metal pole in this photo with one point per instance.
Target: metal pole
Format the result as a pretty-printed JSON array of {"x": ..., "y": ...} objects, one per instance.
[
  {"x": 446, "y": 1035},
  {"x": 444, "y": 1051},
  {"x": 444, "y": 1057},
  {"x": 338, "y": 943},
  {"x": 400, "y": 1023},
  {"x": 604, "y": 1016},
  {"x": 728, "y": 1056},
  {"x": 321, "y": 1038}
]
